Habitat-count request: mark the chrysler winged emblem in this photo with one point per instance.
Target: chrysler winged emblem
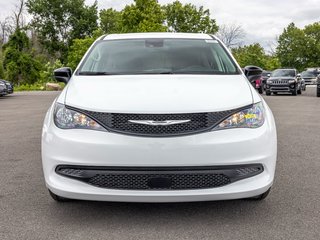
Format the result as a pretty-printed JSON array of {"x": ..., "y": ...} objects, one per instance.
[{"x": 159, "y": 123}]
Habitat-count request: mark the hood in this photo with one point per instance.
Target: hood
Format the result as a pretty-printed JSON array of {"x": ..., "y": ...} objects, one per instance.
[{"x": 158, "y": 93}]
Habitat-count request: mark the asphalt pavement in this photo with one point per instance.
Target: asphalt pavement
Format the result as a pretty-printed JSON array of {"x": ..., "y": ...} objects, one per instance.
[{"x": 291, "y": 211}]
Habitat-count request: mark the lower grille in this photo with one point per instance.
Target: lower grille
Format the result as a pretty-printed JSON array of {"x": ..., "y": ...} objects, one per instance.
[
  {"x": 159, "y": 181},
  {"x": 159, "y": 178},
  {"x": 286, "y": 89}
]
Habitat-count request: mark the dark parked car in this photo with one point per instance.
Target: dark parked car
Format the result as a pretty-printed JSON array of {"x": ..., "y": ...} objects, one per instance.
[
  {"x": 318, "y": 86},
  {"x": 310, "y": 77},
  {"x": 9, "y": 86},
  {"x": 254, "y": 75},
  {"x": 3, "y": 88},
  {"x": 284, "y": 80}
]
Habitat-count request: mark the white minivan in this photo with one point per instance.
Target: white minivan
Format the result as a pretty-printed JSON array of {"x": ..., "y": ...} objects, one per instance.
[{"x": 158, "y": 117}]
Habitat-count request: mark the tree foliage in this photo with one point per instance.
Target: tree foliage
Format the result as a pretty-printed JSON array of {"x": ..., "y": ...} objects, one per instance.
[
  {"x": 299, "y": 48},
  {"x": 110, "y": 20},
  {"x": 292, "y": 46},
  {"x": 254, "y": 54},
  {"x": 58, "y": 22},
  {"x": 143, "y": 16},
  {"x": 189, "y": 18},
  {"x": 79, "y": 47},
  {"x": 19, "y": 63},
  {"x": 1, "y": 65},
  {"x": 312, "y": 33}
]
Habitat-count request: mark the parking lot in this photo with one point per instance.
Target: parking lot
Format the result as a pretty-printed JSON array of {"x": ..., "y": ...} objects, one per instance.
[{"x": 291, "y": 211}]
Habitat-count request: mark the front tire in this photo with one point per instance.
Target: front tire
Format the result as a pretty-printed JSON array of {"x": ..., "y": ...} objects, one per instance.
[
  {"x": 294, "y": 93},
  {"x": 299, "y": 90},
  {"x": 268, "y": 93},
  {"x": 58, "y": 198},
  {"x": 318, "y": 90},
  {"x": 260, "y": 90}
]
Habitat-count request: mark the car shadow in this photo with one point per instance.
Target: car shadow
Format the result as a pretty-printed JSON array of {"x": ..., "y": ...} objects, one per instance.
[{"x": 161, "y": 212}]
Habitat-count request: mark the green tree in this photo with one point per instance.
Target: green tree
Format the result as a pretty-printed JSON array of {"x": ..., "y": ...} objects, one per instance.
[
  {"x": 58, "y": 22},
  {"x": 1, "y": 70},
  {"x": 79, "y": 47},
  {"x": 189, "y": 18},
  {"x": 110, "y": 20},
  {"x": 312, "y": 33},
  {"x": 77, "y": 50},
  {"x": 292, "y": 48},
  {"x": 271, "y": 63},
  {"x": 19, "y": 63},
  {"x": 254, "y": 54},
  {"x": 46, "y": 75},
  {"x": 1, "y": 65},
  {"x": 143, "y": 16}
]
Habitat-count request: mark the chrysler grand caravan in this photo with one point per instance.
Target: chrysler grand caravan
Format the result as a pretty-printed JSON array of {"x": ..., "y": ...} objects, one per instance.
[{"x": 158, "y": 117}]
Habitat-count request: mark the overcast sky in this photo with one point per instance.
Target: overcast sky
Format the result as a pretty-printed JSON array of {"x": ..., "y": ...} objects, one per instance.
[{"x": 262, "y": 20}]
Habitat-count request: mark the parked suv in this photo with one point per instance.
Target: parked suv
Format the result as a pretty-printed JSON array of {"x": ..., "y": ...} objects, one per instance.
[
  {"x": 284, "y": 80},
  {"x": 9, "y": 86},
  {"x": 310, "y": 77},
  {"x": 3, "y": 88},
  {"x": 158, "y": 117}
]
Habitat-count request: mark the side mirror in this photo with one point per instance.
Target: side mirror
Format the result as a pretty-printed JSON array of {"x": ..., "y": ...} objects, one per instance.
[
  {"x": 62, "y": 74},
  {"x": 299, "y": 75},
  {"x": 268, "y": 75}
]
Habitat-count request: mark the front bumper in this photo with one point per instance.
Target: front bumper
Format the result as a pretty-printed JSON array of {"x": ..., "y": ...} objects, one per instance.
[
  {"x": 10, "y": 90},
  {"x": 3, "y": 91},
  {"x": 218, "y": 148}
]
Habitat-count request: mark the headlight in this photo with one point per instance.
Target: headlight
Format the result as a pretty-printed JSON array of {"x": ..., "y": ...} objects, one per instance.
[
  {"x": 291, "y": 81},
  {"x": 269, "y": 81},
  {"x": 69, "y": 119},
  {"x": 248, "y": 118},
  {"x": 2, "y": 84}
]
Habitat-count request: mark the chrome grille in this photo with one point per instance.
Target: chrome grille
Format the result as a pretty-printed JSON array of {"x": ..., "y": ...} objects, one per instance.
[
  {"x": 125, "y": 122},
  {"x": 280, "y": 82}
]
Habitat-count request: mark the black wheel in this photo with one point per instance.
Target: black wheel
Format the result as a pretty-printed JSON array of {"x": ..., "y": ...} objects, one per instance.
[
  {"x": 318, "y": 91},
  {"x": 294, "y": 93},
  {"x": 299, "y": 90},
  {"x": 260, "y": 90},
  {"x": 268, "y": 93},
  {"x": 58, "y": 198},
  {"x": 261, "y": 196}
]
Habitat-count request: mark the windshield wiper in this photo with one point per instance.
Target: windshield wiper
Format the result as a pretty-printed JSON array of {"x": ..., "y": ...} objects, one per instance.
[
  {"x": 121, "y": 73},
  {"x": 96, "y": 73}
]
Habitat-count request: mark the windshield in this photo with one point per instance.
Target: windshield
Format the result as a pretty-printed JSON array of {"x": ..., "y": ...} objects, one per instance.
[
  {"x": 265, "y": 74},
  {"x": 307, "y": 74},
  {"x": 283, "y": 73},
  {"x": 158, "y": 56}
]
